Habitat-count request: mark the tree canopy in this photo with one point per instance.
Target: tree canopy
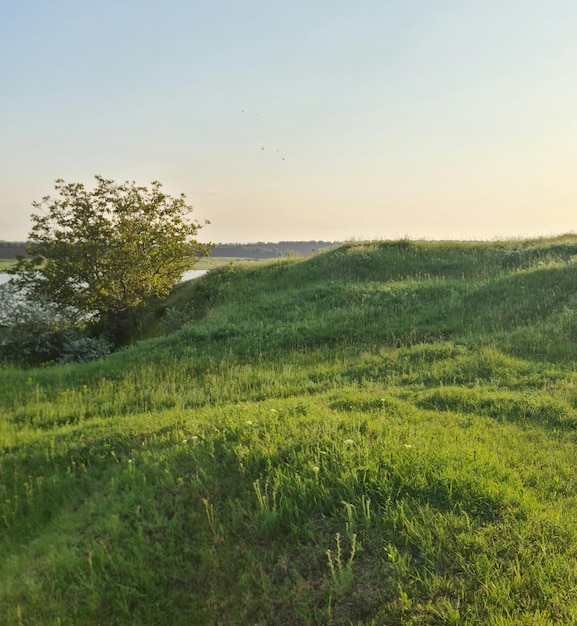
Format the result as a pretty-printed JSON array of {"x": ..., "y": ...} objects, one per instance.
[{"x": 109, "y": 251}]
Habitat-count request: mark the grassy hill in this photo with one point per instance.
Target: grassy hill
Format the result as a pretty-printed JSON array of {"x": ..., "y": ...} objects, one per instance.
[{"x": 384, "y": 433}]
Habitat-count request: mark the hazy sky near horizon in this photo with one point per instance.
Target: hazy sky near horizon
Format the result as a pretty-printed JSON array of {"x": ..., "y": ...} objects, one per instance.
[{"x": 301, "y": 120}]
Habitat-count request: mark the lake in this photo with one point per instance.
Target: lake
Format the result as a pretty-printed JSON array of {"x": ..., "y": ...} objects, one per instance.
[{"x": 4, "y": 278}]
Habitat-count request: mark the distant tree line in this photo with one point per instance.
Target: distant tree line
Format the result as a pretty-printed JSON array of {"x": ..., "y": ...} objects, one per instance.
[
  {"x": 259, "y": 250},
  {"x": 12, "y": 249},
  {"x": 262, "y": 250}
]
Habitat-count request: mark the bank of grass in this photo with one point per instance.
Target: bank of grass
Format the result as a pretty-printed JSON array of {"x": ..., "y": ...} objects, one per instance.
[
  {"x": 212, "y": 262},
  {"x": 6, "y": 264},
  {"x": 380, "y": 434}
]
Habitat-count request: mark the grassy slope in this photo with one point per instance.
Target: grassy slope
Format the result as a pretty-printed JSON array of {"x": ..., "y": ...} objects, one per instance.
[{"x": 381, "y": 434}]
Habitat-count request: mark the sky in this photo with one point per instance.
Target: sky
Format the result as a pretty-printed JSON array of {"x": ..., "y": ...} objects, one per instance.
[{"x": 305, "y": 120}]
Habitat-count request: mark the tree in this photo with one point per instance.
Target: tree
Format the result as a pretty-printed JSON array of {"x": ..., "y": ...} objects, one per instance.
[{"x": 108, "y": 252}]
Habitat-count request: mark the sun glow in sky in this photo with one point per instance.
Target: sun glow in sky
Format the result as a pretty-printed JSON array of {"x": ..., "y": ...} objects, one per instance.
[{"x": 309, "y": 119}]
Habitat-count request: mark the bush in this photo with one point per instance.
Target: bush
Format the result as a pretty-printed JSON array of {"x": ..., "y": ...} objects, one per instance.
[
  {"x": 81, "y": 348},
  {"x": 34, "y": 332}
]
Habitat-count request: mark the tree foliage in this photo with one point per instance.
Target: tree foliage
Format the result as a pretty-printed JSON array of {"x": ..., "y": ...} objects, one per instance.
[
  {"x": 109, "y": 251},
  {"x": 35, "y": 332}
]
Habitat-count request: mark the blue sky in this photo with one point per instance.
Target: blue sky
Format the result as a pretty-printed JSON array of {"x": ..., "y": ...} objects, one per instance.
[{"x": 299, "y": 120}]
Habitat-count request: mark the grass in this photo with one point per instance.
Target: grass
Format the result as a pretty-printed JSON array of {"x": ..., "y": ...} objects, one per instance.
[
  {"x": 211, "y": 262},
  {"x": 381, "y": 434},
  {"x": 6, "y": 264}
]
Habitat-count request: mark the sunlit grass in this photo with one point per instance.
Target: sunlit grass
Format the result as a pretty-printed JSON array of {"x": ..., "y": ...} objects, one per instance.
[
  {"x": 210, "y": 262},
  {"x": 6, "y": 264},
  {"x": 383, "y": 434}
]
